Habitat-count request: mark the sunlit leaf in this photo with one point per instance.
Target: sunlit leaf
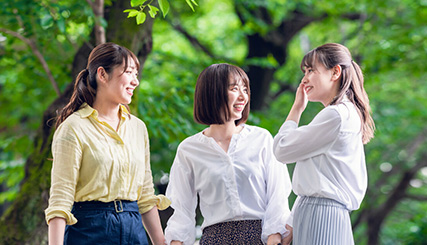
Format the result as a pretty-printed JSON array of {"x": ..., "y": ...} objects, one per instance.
[
  {"x": 140, "y": 18},
  {"x": 164, "y": 6}
]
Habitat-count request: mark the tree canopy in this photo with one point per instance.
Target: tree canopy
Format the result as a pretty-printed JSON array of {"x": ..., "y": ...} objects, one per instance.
[{"x": 44, "y": 44}]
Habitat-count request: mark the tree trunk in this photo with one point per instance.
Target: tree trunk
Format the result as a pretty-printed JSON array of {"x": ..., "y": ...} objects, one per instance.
[
  {"x": 275, "y": 42},
  {"x": 23, "y": 222}
]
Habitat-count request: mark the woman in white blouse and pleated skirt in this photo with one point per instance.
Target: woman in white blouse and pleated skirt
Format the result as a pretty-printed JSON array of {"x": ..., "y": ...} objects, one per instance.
[
  {"x": 330, "y": 176},
  {"x": 243, "y": 190}
]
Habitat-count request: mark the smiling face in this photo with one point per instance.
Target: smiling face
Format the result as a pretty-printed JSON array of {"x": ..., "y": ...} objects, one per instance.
[
  {"x": 121, "y": 83},
  {"x": 237, "y": 98},
  {"x": 319, "y": 83}
]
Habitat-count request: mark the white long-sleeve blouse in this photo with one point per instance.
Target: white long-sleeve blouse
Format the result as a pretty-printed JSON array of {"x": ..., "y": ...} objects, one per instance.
[
  {"x": 245, "y": 183},
  {"x": 329, "y": 155}
]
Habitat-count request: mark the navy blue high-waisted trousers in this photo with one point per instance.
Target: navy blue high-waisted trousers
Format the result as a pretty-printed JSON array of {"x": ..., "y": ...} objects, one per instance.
[{"x": 117, "y": 222}]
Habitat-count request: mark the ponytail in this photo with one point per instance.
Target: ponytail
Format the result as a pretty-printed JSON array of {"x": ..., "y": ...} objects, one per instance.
[{"x": 84, "y": 91}]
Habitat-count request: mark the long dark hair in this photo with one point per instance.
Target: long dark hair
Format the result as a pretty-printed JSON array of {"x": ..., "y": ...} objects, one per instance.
[
  {"x": 106, "y": 55},
  {"x": 351, "y": 81}
]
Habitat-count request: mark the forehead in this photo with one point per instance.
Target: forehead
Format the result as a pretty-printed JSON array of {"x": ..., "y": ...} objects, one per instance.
[{"x": 236, "y": 79}]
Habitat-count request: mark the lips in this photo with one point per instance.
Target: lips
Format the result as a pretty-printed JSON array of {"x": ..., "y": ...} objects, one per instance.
[
  {"x": 129, "y": 91},
  {"x": 308, "y": 88},
  {"x": 239, "y": 107}
]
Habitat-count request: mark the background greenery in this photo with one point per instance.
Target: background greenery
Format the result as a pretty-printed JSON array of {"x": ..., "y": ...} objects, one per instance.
[{"x": 387, "y": 38}]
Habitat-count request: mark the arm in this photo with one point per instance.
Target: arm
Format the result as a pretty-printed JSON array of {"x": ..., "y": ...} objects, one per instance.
[
  {"x": 181, "y": 225},
  {"x": 293, "y": 143},
  {"x": 154, "y": 228},
  {"x": 56, "y": 231},
  {"x": 67, "y": 156},
  {"x": 278, "y": 189}
]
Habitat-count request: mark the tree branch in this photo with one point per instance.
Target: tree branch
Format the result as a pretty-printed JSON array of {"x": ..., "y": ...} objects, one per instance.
[
  {"x": 196, "y": 43},
  {"x": 416, "y": 197},
  {"x": 37, "y": 53}
]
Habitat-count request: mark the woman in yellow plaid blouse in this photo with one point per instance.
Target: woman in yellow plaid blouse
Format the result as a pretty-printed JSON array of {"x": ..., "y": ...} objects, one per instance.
[{"x": 101, "y": 176}]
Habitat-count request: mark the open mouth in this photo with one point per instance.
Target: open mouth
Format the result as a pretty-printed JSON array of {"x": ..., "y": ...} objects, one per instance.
[
  {"x": 239, "y": 107},
  {"x": 308, "y": 89},
  {"x": 129, "y": 91}
]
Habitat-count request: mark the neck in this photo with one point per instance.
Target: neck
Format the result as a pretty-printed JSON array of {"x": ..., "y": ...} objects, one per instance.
[
  {"x": 106, "y": 110},
  {"x": 222, "y": 132}
]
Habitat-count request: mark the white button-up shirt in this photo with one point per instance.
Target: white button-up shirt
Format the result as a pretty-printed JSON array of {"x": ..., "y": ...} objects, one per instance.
[
  {"x": 329, "y": 155},
  {"x": 246, "y": 183}
]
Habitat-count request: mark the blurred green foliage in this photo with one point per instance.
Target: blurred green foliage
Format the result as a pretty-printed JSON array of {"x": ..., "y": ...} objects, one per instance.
[{"x": 388, "y": 40}]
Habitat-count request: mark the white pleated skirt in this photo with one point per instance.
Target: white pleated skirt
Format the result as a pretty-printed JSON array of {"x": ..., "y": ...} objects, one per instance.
[{"x": 321, "y": 221}]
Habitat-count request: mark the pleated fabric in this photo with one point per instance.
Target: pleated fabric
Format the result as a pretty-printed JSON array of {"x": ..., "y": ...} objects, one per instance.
[
  {"x": 241, "y": 232},
  {"x": 321, "y": 221}
]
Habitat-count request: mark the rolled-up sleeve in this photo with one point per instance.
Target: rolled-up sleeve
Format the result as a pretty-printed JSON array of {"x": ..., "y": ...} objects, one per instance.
[
  {"x": 147, "y": 199},
  {"x": 278, "y": 190},
  {"x": 181, "y": 191},
  {"x": 293, "y": 143},
  {"x": 67, "y": 154}
]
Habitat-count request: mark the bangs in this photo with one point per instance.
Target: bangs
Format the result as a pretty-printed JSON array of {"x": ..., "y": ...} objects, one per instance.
[
  {"x": 236, "y": 74},
  {"x": 309, "y": 60},
  {"x": 125, "y": 55}
]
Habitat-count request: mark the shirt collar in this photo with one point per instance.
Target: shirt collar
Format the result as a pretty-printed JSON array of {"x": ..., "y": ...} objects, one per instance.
[{"x": 86, "y": 111}]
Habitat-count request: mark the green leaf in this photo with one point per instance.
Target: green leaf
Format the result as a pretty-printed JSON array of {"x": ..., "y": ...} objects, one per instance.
[
  {"x": 136, "y": 3},
  {"x": 132, "y": 13},
  {"x": 153, "y": 11},
  {"x": 194, "y": 2},
  {"x": 190, "y": 4},
  {"x": 164, "y": 6},
  {"x": 140, "y": 17}
]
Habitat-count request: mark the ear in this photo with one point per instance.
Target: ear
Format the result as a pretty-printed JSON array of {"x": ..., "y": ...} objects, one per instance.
[
  {"x": 336, "y": 72},
  {"x": 102, "y": 74}
]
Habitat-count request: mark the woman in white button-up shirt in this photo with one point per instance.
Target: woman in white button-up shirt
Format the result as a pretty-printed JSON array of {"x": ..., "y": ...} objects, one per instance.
[
  {"x": 242, "y": 188},
  {"x": 330, "y": 176}
]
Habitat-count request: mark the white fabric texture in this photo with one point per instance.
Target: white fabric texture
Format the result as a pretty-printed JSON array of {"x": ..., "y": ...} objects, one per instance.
[
  {"x": 245, "y": 183},
  {"x": 329, "y": 155}
]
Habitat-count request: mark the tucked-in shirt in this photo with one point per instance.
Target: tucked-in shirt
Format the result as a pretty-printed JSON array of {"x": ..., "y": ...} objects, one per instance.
[
  {"x": 329, "y": 155},
  {"x": 94, "y": 162},
  {"x": 246, "y": 183}
]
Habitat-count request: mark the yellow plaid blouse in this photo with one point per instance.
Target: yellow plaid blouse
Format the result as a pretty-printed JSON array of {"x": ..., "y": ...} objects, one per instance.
[{"x": 93, "y": 162}]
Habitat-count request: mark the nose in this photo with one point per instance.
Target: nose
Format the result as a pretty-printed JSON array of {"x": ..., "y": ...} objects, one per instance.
[
  {"x": 304, "y": 80},
  {"x": 135, "y": 80}
]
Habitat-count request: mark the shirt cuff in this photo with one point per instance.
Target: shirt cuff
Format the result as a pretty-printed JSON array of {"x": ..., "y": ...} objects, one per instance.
[
  {"x": 147, "y": 203},
  {"x": 60, "y": 213}
]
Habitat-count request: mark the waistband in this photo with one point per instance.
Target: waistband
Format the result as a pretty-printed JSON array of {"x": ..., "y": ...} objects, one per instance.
[
  {"x": 240, "y": 225},
  {"x": 117, "y": 206},
  {"x": 321, "y": 201}
]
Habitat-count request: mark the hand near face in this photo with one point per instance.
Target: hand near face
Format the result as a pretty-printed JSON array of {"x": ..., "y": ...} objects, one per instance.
[{"x": 301, "y": 98}]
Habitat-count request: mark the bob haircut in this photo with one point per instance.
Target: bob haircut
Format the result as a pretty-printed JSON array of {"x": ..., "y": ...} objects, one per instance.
[{"x": 211, "y": 94}]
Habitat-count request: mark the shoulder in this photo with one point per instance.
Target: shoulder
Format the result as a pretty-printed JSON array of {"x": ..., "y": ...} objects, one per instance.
[
  {"x": 137, "y": 121},
  {"x": 255, "y": 131},
  {"x": 330, "y": 113},
  {"x": 74, "y": 121},
  {"x": 191, "y": 141},
  {"x": 71, "y": 127}
]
